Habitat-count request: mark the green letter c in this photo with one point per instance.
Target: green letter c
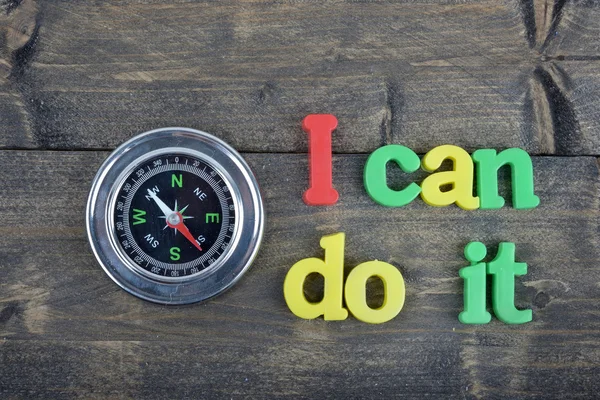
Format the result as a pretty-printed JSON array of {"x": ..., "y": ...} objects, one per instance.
[{"x": 375, "y": 175}]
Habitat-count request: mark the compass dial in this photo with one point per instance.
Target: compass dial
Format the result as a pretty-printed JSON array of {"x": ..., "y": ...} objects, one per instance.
[{"x": 174, "y": 216}]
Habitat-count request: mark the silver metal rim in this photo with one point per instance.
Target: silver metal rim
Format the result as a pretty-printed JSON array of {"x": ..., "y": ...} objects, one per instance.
[{"x": 228, "y": 269}]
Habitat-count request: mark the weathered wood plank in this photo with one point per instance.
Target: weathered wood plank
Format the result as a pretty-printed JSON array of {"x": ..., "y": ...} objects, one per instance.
[
  {"x": 573, "y": 30},
  {"x": 68, "y": 331},
  {"x": 392, "y": 72},
  {"x": 14, "y": 126},
  {"x": 579, "y": 82},
  {"x": 18, "y": 31}
]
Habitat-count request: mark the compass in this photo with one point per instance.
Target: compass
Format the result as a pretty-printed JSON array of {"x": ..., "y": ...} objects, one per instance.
[{"x": 174, "y": 216}]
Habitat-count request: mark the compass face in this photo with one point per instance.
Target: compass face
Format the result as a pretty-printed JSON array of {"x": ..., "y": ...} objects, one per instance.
[{"x": 174, "y": 216}]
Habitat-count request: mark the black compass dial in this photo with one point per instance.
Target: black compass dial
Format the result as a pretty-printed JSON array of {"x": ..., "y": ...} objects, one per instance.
[{"x": 174, "y": 215}]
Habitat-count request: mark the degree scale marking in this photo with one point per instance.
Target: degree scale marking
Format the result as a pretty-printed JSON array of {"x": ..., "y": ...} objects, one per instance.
[
  {"x": 215, "y": 250},
  {"x": 206, "y": 177}
]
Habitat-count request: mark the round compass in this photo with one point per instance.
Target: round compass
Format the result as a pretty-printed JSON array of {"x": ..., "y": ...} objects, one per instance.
[{"x": 175, "y": 216}]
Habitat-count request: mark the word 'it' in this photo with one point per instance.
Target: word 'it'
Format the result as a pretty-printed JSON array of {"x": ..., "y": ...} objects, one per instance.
[
  {"x": 484, "y": 164},
  {"x": 354, "y": 291},
  {"x": 503, "y": 269}
]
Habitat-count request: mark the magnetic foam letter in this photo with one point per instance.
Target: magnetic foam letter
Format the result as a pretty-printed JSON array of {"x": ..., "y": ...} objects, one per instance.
[
  {"x": 319, "y": 128},
  {"x": 375, "y": 175},
  {"x": 475, "y": 286},
  {"x": 521, "y": 170},
  {"x": 504, "y": 268},
  {"x": 332, "y": 270},
  {"x": 393, "y": 287},
  {"x": 461, "y": 178}
]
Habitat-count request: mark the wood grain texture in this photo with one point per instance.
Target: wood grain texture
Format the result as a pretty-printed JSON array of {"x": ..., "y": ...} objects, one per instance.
[
  {"x": 81, "y": 75},
  {"x": 573, "y": 30},
  {"x": 582, "y": 89},
  {"x": 67, "y": 331},
  {"x": 18, "y": 33},
  {"x": 416, "y": 73}
]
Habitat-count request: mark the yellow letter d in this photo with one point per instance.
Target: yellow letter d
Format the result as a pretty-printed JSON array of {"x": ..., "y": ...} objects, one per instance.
[{"x": 332, "y": 270}]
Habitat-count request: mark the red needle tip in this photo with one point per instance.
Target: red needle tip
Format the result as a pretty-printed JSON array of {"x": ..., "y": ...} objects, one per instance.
[{"x": 184, "y": 231}]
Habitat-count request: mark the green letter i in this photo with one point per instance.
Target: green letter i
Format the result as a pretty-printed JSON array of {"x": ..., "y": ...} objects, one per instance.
[{"x": 474, "y": 288}]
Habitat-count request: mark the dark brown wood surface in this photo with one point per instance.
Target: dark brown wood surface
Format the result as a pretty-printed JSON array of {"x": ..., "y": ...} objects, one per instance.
[{"x": 78, "y": 78}]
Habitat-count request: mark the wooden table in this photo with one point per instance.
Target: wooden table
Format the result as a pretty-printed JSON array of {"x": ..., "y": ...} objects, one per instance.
[{"x": 79, "y": 78}]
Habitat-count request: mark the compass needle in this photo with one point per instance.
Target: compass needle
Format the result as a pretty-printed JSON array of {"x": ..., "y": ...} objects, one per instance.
[
  {"x": 177, "y": 222},
  {"x": 163, "y": 207}
]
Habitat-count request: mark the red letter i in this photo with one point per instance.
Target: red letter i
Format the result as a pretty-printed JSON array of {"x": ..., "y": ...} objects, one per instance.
[{"x": 319, "y": 128}]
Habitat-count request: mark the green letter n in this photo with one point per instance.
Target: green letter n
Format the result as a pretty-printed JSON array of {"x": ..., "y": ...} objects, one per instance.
[
  {"x": 521, "y": 170},
  {"x": 176, "y": 181}
]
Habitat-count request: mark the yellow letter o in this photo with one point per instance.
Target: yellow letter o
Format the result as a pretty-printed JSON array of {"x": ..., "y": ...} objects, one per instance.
[{"x": 393, "y": 289}]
